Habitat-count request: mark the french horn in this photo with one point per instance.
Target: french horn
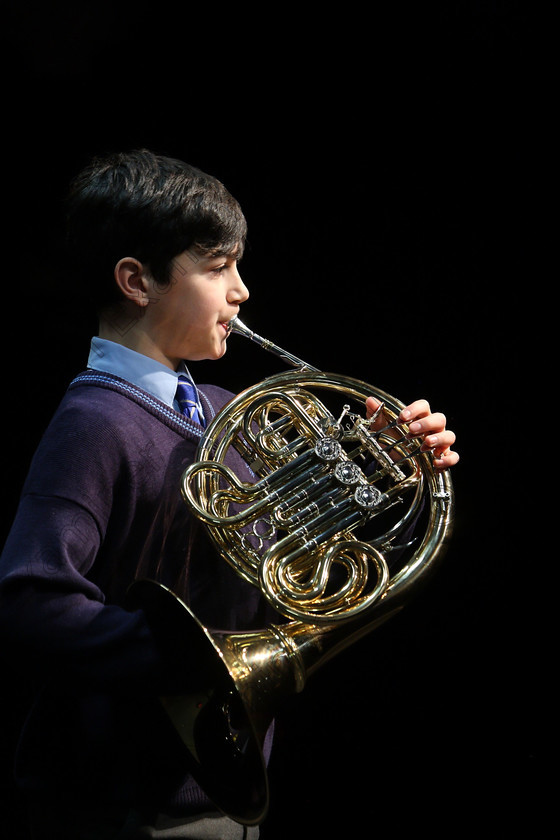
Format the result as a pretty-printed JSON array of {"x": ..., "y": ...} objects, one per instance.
[{"x": 345, "y": 519}]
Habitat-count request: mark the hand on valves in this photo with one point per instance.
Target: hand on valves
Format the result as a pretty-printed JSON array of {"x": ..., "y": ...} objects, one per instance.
[{"x": 422, "y": 423}]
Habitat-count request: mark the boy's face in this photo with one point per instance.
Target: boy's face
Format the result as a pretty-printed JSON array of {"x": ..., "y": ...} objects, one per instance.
[{"x": 187, "y": 319}]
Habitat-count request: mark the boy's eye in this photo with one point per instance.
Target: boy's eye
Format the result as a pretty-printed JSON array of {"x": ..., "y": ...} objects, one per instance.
[{"x": 223, "y": 266}]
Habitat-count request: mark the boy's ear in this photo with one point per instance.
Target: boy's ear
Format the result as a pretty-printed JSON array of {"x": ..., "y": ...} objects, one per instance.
[{"x": 131, "y": 279}]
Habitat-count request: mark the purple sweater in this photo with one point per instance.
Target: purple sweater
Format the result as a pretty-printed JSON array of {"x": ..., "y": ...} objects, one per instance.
[{"x": 101, "y": 506}]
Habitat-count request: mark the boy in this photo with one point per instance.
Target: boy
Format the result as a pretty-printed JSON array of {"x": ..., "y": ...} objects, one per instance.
[{"x": 157, "y": 244}]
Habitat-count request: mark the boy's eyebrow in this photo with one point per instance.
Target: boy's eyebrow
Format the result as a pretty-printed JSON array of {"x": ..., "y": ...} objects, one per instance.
[
  {"x": 234, "y": 252},
  {"x": 229, "y": 255}
]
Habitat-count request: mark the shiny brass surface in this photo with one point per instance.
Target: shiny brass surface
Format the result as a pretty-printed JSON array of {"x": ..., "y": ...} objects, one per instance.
[{"x": 340, "y": 526}]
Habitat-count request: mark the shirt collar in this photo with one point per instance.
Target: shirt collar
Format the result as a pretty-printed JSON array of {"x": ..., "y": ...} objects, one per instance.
[{"x": 146, "y": 373}]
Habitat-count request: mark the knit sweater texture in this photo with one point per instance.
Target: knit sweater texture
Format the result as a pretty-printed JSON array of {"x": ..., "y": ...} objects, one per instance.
[{"x": 101, "y": 507}]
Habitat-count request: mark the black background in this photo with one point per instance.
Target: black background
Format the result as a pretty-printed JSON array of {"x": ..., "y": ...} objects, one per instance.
[{"x": 385, "y": 166}]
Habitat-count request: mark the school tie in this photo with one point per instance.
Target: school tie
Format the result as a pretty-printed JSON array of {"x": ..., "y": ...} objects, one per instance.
[{"x": 187, "y": 398}]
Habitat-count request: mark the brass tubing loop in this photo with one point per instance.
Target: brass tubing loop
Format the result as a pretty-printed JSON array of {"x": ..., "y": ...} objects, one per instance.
[{"x": 343, "y": 522}]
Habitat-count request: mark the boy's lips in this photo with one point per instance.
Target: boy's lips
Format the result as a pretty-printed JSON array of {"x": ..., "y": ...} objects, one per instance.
[{"x": 227, "y": 325}]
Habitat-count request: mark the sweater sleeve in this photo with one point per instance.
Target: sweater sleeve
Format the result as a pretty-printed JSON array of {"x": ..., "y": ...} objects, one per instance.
[{"x": 53, "y": 618}]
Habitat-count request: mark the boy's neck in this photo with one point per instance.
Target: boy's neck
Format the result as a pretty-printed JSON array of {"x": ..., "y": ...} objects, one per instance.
[{"x": 123, "y": 326}]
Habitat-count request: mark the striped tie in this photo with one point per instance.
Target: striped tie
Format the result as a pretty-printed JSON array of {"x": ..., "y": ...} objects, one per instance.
[{"x": 187, "y": 398}]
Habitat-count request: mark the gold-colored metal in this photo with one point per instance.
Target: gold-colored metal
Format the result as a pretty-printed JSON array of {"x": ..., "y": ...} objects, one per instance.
[{"x": 342, "y": 522}]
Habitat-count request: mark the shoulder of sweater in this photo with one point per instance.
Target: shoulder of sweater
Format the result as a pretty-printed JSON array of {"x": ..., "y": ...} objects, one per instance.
[{"x": 102, "y": 423}]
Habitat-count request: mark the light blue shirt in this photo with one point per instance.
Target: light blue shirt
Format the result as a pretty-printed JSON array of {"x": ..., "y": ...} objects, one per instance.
[{"x": 146, "y": 373}]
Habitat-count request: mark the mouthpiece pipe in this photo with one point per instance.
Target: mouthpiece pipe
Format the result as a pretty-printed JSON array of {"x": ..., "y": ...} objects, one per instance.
[{"x": 237, "y": 326}]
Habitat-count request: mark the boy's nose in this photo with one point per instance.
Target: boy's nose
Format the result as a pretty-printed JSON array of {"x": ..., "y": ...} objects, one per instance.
[{"x": 239, "y": 291}]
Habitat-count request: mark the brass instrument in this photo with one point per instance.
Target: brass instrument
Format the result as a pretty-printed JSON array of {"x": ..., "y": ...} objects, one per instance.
[{"x": 324, "y": 532}]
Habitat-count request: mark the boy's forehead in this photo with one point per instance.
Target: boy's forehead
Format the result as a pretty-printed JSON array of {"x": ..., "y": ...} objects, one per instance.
[
  {"x": 196, "y": 253},
  {"x": 234, "y": 252}
]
